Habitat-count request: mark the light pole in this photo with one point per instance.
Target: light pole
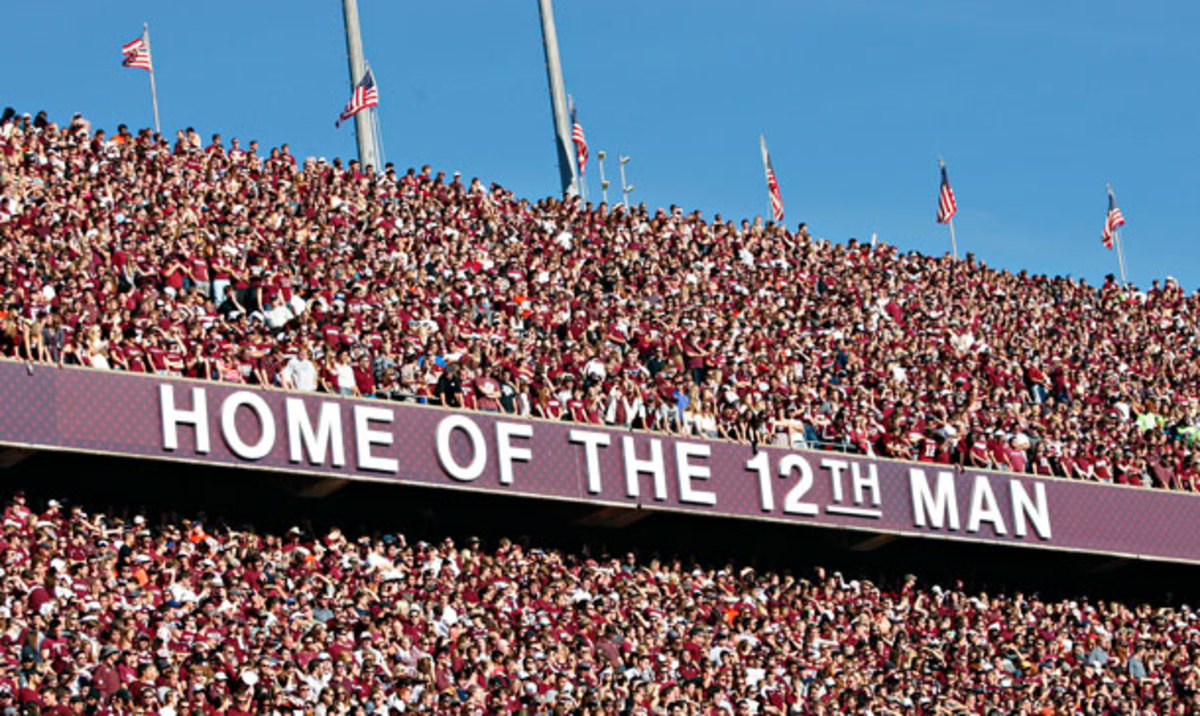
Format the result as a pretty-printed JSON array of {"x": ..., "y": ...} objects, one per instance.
[
  {"x": 603, "y": 182},
  {"x": 563, "y": 146},
  {"x": 364, "y": 122},
  {"x": 625, "y": 188}
]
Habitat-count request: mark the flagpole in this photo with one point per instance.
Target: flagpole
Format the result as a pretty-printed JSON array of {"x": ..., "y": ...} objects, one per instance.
[
  {"x": 1112, "y": 201},
  {"x": 582, "y": 186},
  {"x": 1120, "y": 257},
  {"x": 953, "y": 241},
  {"x": 762, "y": 144},
  {"x": 950, "y": 221},
  {"x": 153, "y": 88}
]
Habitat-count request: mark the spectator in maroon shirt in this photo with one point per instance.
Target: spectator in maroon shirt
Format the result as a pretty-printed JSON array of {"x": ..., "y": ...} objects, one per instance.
[
  {"x": 488, "y": 390},
  {"x": 364, "y": 375},
  {"x": 105, "y": 677}
]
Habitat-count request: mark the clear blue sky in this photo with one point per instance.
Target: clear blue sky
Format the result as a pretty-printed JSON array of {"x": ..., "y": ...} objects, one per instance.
[{"x": 1035, "y": 105}]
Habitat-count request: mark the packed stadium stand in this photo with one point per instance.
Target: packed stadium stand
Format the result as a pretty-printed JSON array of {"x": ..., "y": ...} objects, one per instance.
[
  {"x": 127, "y": 588},
  {"x": 224, "y": 262},
  {"x": 128, "y": 610}
]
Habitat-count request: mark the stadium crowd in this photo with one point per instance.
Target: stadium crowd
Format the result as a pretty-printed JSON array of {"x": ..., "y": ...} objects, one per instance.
[
  {"x": 221, "y": 261},
  {"x": 109, "y": 614}
]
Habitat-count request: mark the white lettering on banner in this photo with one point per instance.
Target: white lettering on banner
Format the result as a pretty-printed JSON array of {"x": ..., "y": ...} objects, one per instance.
[
  {"x": 858, "y": 484},
  {"x": 316, "y": 436},
  {"x": 1026, "y": 509},
  {"x": 984, "y": 507},
  {"x": 870, "y": 482},
  {"x": 509, "y": 453},
  {"x": 173, "y": 417},
  {"x": 937, "y": 508},
  {"x": 592, "y": 442},
  {"x": 686, "y": 472},
  {"x": 793, "y": 501},
  {"x": 635, "y": 466},
  {"x": 472, "y": 470},
  {"x": 365, "y": 437},
  {"x": 266, "y": 423},
  {"x": 938, "y": 511},
  {"x": 761, "y": 464},
  {"x": 835, "y": 468},
  {"x": 319, "y": 443}
]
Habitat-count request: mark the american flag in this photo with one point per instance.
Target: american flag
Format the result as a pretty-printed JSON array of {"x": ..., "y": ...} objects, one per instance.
[
  {"x": 581, "y": 148},
  {"x": 772, "y": 183},
  {"x": 947, "y": 207},
  {"x": 1112, "y": 220},
  {"x": 365, "y": 95},
  {"x": 137, "y": 54}
]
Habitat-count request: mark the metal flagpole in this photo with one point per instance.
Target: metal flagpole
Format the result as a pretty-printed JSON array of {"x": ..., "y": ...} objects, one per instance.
[
  {"x": 1120, "y": 257},
  {"x": 953, "y": 241},
  {"x": 581, "y": 184},
  {"x": 762, "y": 144},
  {"x": 1117, "y": 237},
  {"x": 950, "y": 221},
  {"x": 153, "y": 88},
  {"x": 567, "y": 168},
  {"x": 364, "y": 126}
]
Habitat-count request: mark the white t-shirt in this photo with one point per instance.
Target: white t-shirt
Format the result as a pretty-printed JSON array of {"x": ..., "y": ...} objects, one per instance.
[
  {"x": 302, "y": 373},
  {"x": 345, "y": 377}
]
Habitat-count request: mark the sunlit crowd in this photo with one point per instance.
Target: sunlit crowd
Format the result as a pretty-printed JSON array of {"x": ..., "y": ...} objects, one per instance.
[{"x": 222, "y": 260}]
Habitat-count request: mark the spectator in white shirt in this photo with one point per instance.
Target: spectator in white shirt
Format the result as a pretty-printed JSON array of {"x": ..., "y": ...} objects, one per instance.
[
  {"x": 300, "y": 372},
  {"x": 344, "y": 372}
]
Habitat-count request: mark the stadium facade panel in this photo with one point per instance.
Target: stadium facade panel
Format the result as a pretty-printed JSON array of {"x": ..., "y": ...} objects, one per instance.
[{"x": 161, "y": 418}]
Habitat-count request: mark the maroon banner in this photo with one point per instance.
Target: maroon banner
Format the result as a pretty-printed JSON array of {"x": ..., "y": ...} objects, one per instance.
[{"x": 181, "y": 420}]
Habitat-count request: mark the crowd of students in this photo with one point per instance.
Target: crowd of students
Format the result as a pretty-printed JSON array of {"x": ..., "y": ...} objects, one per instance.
[
  {"x": 226, "y": 262},
  {"x": 120, "y": 613}
]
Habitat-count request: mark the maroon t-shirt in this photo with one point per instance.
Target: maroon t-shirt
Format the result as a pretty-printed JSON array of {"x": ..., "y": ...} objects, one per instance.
[
  {"x": 199, "y": 266},
  {"x": 364, "y": 378},
  {"x": 488, "y": 390},
  {"x": 157, "y": 356},
  {"x": 135, "y": 359}
]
